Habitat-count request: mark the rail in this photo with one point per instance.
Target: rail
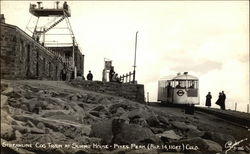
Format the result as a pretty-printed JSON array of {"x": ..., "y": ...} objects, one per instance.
[
  {"x": 239, "y": 119},
  {"x": 127, "y": 78}
]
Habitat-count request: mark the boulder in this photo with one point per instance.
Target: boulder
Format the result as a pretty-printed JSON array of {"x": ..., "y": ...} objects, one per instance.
[
  {"x": 49, "y": 113},
  {"x": 98, "y": 108},
  {"x": 157, "y": 130},
  {"x": 132, "y": 133},
  {"x": 7, "y": 132},
  {"x": 183, "y": 126},
  {"x": 194, "y": 133},
  {"x": 15, "y": 95},
  {"x": 218, "y": 137},
  {"x": 163, "y": 120},
  {"x": 18, "y": 135},
  {"x": 113, "y": 108},
  {"x": 139, "y": 113},
  {"x": 21, "y": 129},
  {"x": 6, "y": 118},
  {"x": 139, "y": 121},
  {"x": 170, "y": 134},
  {"x": 120, "y": 111},
  {"x": 94, "y": 113},
  {"x": 8, "y": 91},
  {"x": 105, "y": 101},
  {"x": 4, "y": 85},
  {"x": 4, "y": 100},
  {"x": 153, "y": 121},
  {"x": 103, "y": 130},
  {"x": 73, "y": 97}
]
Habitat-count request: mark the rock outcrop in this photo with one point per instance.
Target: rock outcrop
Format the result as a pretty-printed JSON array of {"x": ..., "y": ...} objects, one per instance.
[{"x": 57, "y": 118}]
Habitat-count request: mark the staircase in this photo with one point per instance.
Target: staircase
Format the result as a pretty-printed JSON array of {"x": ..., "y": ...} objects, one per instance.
[{"x": 53, "y": 25}]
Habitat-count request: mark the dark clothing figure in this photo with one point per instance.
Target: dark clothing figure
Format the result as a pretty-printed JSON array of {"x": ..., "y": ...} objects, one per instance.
[
  {"x": 115, "y": 78},
  {"x": 208, "y": 99},
  {"x": 219, "y": 101},
  {"x": 169, "y": 87},
  {"x": 178, "y": 86},
  {"x": 65, "y": 5},
  {"x": 192, "y": 86},
  {"x": 90, "y": 76},
  {"x": 223, "y": 98},
  {"x": 63, "y": 75},
  {"x": 111, "y": 73},
  {"x": 72, "y": 76}
]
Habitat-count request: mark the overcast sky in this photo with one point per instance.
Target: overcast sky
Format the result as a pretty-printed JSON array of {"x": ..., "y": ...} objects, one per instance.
[{"x": 208, "y": 39}]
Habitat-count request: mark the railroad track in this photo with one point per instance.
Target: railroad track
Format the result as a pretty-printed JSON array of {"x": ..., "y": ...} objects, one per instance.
[{"x": 234, "y": 117}]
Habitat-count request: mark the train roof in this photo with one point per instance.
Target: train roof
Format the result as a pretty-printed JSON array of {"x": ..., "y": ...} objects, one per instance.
[
  {"x": 180, "y": 77},
  {"x": 185, "y": 77}
]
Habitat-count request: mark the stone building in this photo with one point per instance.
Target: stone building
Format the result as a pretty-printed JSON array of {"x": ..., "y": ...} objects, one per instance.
[{"x": 22, "y": 57}]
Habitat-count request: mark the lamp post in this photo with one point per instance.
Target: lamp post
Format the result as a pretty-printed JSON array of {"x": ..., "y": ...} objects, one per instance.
[{"x": 135, "y": 57}]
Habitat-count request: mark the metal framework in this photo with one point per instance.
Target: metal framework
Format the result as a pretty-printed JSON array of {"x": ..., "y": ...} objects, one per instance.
[{"x": 56, "y": 15}]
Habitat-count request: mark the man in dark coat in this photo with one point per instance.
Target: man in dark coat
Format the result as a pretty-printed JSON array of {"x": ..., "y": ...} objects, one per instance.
[
  {"x": 63, "y": 74},
  {"x": 90, "y": 76},
  {"x": 223, "y": 98},
  {"x": 208, "y": 99},
  {"x": 111, "y": 73},
  {"x": 218, "y": 102}
]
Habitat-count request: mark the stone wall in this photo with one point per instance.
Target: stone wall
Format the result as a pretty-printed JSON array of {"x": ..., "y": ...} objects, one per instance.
[
  {"x": 24, "y": 58},
  {"x": 133, "y": 92}
]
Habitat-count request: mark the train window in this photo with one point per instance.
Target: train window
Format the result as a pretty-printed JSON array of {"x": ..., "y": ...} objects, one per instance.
[
  {"x": 192, "y": 84},
  {"x": 168, "y": 84},
  {"x": 180, "y": 84}
]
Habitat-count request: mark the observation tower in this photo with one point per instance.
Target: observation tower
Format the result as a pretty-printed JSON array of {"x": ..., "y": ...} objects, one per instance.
[{"x": 53, "y": 30}]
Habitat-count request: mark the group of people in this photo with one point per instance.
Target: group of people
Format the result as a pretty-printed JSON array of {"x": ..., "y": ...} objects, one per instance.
[
  {"x": 113, "y": 77},
  {"x": 220, "y": 101}
]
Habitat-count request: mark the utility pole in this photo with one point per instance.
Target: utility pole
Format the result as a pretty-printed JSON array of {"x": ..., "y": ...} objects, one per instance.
[
  {"x": 73, "y": 57},
  {"x": 135, "y": 57}
]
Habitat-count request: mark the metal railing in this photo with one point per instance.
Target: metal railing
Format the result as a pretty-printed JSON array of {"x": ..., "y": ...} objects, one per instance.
[{"x": 127, "y": 78}]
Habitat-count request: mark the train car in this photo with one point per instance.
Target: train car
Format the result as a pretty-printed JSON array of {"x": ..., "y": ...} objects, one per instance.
[{"x": 179, "y": 89}]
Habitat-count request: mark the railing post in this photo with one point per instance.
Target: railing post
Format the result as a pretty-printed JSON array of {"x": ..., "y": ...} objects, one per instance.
[
  {"x": 247, "y": 108},
  {"x": 235, "y": 106},
  {"x": 126, "y": 77},
  {"x": 148, "y": 97}
]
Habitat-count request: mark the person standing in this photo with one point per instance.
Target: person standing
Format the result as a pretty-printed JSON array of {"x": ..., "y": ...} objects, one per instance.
[
  {"x": 223, "y": 98},
  {"x": 218, "y": 102},
  {"x": 208, "y": 99},
  {"x": 90, "y": 76},
  {"x": 111, "y": 73},
  {"x": 63, "y": 74}
]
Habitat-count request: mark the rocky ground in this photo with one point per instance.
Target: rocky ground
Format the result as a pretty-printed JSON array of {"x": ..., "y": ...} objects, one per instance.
[{"x": 54, "y": 117}]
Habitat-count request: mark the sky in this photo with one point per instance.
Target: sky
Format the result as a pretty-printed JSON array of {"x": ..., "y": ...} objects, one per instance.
[{"x": 208, "y": 39}]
